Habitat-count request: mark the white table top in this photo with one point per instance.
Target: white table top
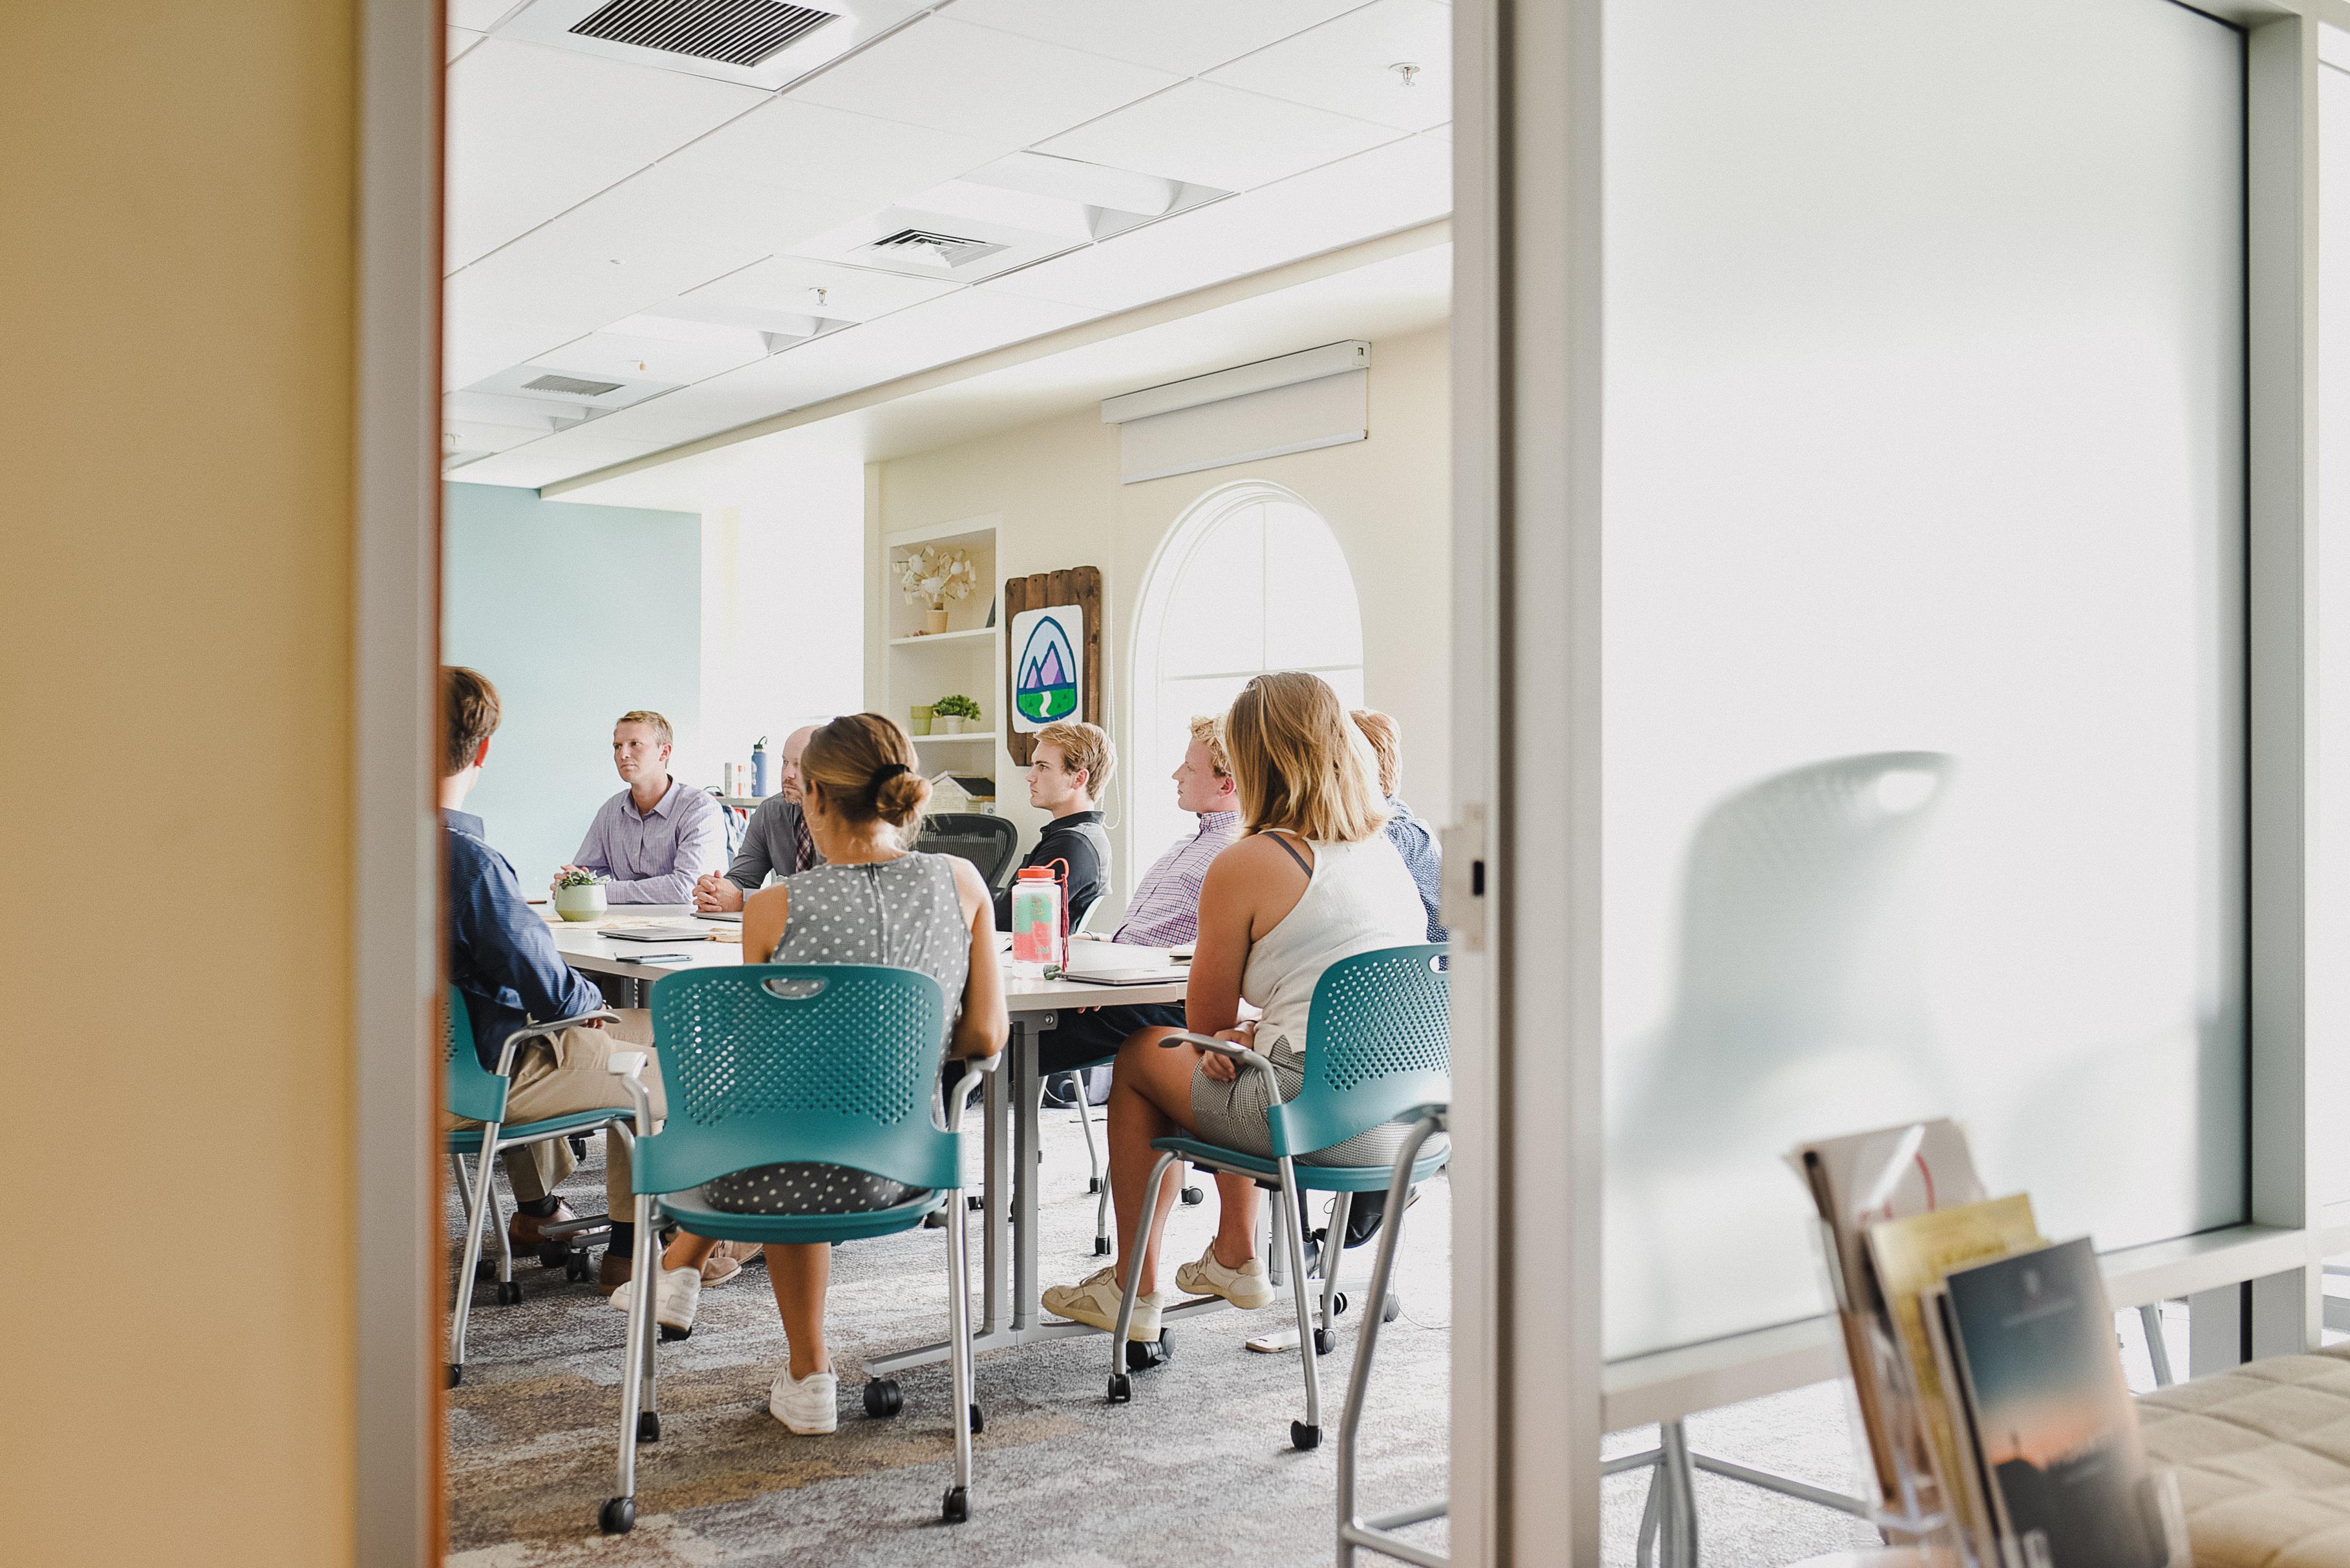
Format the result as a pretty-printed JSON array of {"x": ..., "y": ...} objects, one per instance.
[{"x": 586, "y": 948}]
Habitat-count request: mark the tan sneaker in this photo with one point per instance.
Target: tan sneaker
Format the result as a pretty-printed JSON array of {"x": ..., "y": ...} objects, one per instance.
[
  {"x": 1093, "y": 1300},
  {"x": 1247, "y": 1287},
  {"x": 726, "y": 1260}
]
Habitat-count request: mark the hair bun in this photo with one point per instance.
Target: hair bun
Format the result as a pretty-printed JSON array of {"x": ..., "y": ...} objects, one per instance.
[{"x": 899, "y": 796}]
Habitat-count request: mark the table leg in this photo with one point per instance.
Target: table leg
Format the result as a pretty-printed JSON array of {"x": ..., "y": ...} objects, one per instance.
[
  {"x": 995, "y": 1251},
  {"x": 1026, "y": 1122}
]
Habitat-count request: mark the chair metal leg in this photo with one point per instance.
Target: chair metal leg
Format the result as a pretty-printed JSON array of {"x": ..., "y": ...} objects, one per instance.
[
  {"x": 496, "y": 1220},
  {"x": 958, "y": 1500},
  {"x": 1121, "y": 1385},
  {"x": 1353, "y": 1531},
  {"x": 1334, "y": 1248},
  {"x": 1676, "y": 1534},
  {"x": 2150, "y": 1318},
  {"x": 1276, "y": 1252},
  {"x": 1305, "y": 1434},
  {"x": 1093, "y": 1162},
  {"x": 1644, "y": 1546},
  {"x": 485, "y": 1163},
  {"x": 465, "y": 1185},
  {"x": 639, "y": 1356}
]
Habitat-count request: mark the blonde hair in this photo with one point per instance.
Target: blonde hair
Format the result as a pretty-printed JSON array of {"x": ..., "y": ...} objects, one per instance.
[
  {"x": 1294, "y": 762},
  {"x": 1086, "y": 746},
  {"x": 651, "y": 721},
  {"x": 864, "y": 766},
  {"x": 1386, "y": 737},
  {"x": 1210, "y": 732}
]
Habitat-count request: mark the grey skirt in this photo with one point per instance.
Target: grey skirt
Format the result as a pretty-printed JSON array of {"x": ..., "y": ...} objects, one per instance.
[{"x": 1233, "y": 1113}]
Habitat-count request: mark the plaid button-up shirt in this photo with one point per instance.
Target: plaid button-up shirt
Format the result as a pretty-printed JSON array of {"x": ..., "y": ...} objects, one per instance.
[{"x": 1165, "y": 912}]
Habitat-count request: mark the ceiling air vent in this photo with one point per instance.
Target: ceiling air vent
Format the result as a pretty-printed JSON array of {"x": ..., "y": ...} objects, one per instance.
[
  {"x": 571, "y": 386},
  {"x": 932, "y": 249},
  {"x": 735, "y": 32}
]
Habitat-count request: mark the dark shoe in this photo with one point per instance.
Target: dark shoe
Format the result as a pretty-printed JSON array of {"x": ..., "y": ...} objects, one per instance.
[{"x": 526, "y": 1232}]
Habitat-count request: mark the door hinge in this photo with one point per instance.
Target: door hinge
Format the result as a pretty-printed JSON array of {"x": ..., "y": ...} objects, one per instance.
[{"x": 1460, "y": 904}]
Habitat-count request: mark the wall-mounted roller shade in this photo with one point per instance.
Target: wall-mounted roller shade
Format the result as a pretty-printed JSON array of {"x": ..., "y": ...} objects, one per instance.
[{"x": 1297, "y": 402}]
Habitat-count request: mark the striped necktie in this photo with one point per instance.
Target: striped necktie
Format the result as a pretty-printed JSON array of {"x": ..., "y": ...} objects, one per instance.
[{"x": 803, "y": 842}]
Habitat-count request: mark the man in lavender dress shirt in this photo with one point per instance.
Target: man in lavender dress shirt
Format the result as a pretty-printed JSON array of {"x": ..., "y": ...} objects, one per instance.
[{"x": 653, "y": 838}]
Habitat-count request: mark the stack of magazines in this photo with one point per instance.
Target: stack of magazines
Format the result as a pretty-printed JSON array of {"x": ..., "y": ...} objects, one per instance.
[{"x": 1984, "y": 1362}]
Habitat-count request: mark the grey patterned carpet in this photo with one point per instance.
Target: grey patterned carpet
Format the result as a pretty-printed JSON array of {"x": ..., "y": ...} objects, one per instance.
[{"x": 1197, "y": 1470}]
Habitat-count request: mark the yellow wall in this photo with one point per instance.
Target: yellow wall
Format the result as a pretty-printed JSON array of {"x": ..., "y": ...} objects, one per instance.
[
  {"x": 176, "y": 289},
  {"x": 1388, "y": 498}
]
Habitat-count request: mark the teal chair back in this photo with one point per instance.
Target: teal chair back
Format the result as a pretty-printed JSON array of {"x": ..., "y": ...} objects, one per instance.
[
  {"x": 474, "y": 1090},
  {"x": 777, "y": 1061},
  {"x": 1378, "y": 1043}
]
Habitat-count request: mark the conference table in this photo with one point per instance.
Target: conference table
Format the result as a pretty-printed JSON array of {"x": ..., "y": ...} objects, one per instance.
[{"x": 1010, "y": 1314}]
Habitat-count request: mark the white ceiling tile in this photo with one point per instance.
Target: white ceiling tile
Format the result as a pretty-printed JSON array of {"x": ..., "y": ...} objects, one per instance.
[
  {"x": 975, "y": 81},
  {"x": 1186, "y": 37},
  {"x": 534, "y": 131},
  {"x": 1220, "y": 136},
  {"x": 480, "y": 15},
  {"x": 461, "y": 39},
  {"x": 850, "y": 292},
  {"x": 557, "y": 456},
  {"x": 1441, "y": 132},
  {"x": 1399, "y": 185},
  {"x": 1343, "y": 64},
  {"x": 808, "y": 147},
  {"x": 623, "y": 355}
]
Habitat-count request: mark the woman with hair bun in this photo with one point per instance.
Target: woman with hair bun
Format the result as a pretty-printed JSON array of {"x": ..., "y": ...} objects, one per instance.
[{"x": 872, "y": 901}]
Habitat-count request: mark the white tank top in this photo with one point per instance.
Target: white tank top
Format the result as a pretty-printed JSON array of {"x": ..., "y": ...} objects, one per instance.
[{"x": 1360, "y": 897}]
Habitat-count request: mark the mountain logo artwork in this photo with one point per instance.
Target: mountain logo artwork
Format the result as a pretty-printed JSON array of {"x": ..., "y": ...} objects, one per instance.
[{"x": 1047, "y": 688}]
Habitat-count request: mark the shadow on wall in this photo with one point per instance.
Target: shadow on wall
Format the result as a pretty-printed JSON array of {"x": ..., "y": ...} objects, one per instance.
[{"x": 1801, "y": 1008}]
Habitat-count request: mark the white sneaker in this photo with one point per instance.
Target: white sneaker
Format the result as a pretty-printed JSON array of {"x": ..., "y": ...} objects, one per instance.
[
  {"x": 1247, "y": 1287},
  {"x": 1094, "y": 1301},
  {"x": 808, "y": 1406},
  {"x": 677, "y": 1296}
]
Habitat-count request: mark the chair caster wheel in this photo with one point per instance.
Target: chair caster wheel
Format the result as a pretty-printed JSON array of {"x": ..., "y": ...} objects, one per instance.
[
  {"x": 956, "y": 1507},
  {"x": 1302, "y": 1435},
  {"x": 619, "y": 1516},
  {"x": 1142, "y": 1354},
  {"x": 509, "y": 1291},
  {"x": 1192, "y": 1196},
  {"x": 671, "y": 1336},
  {"x": 1121, "y": 1388},
  {"x": 579, "y": 1144},
  {"x": 882, "y": 1398},
  {"x": 554, "y": 1255},
  {"x": 648, "y": 1426},
  {"x": 1101, "y": 1246},
  {"x": 1393, "y": 1309},
  {"x": 1338, "y": 1304},
  {"x": 576, "y": 1269},
  {"x": 1093, "y": 1184},
  {"x": 975, "y": 1204},
  {"x": 456, "y": 1375},
  {"x": 1325, "y": 1341},
  {"x": 978, "y": 1423}
]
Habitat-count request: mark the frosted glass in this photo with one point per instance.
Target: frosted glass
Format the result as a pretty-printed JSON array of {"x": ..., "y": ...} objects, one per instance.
[
  {"x": 1312, "y": 620},
  {"x": 2330, "y": 694},
  {"x": 1923, "y": 622},
  {"x": 1215, "y": 614}
]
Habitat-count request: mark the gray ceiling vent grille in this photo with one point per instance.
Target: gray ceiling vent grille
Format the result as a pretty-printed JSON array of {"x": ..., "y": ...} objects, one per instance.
[
  {"x": 571, "y": 386},
  {"x": 738, "y": 32},
  {"x": 930, "y": 246}
]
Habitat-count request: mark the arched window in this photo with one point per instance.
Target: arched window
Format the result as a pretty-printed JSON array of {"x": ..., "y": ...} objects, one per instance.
[{"x": 1250, "y": 578}]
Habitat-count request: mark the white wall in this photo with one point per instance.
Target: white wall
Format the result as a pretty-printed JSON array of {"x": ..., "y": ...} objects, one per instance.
[{"x": 1055, "y": 485}]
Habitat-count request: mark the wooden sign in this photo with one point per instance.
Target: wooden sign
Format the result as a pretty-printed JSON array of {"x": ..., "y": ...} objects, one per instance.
[{"x": 1078, "y": 585}]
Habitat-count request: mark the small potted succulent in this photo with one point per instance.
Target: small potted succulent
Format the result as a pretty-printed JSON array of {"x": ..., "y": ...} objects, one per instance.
[
  {"x": 956, "y": 713},
  {"x": 580, "y": 895}
]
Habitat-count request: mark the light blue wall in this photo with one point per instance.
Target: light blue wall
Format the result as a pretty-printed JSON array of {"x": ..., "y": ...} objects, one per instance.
[{"x": 577, "y": 614}]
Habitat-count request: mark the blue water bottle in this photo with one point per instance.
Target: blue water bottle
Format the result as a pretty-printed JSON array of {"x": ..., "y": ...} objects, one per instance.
[{"x": 759, "y": 768}]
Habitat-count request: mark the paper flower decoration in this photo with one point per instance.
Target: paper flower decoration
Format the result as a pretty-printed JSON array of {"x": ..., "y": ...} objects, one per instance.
[{"x": 932, "y": 577}]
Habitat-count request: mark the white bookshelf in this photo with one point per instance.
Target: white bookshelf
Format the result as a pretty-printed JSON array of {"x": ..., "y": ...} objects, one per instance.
[{"x": 919, "y": 667}]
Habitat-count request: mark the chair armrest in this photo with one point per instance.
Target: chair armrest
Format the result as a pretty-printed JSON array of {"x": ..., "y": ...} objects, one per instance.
[
  {"x": 975, "y": 1071},
  {"x": 630, "y": 1064},
  {"x": 540, "y": 1031},
  {"x": 1255, "y": 1060}
]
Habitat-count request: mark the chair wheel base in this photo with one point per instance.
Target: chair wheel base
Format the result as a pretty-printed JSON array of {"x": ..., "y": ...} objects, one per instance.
[
  {"x": 1325, "y": 1341},
  {"x": 1393, "y": 1309},
  {"x": 1142, "y": 1354},
  {"x": 619, "y": 1516},
  {"x": 1121, "y": 1388},
  {"x": 956, "y": 1507},
  {"x": 1303, "y": 1436},
  {"x": 882, "y": 1398},
  {"x": 978, "y": 1423},
  {"x": 1192, "y": 1196},
  {"x": 509, "y": 1292},
  {"x": 648, "y": 1426},
  {"x": 456, "y": 1373},
  {"x": 1093, "y": 1184},
  {"x": 1101, "y": 1246}
]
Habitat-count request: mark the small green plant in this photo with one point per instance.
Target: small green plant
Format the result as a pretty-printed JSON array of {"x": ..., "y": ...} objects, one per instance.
[
  {"x": 956, "y": 706},
  {"x": 574, "y": 877}
]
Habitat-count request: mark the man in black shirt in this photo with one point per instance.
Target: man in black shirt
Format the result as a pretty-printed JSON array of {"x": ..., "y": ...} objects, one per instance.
[{"x": 1070, "y": 770}]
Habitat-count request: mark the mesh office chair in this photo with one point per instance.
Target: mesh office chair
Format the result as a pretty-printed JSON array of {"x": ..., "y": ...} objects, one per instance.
[{"x": 990, "y": 843}]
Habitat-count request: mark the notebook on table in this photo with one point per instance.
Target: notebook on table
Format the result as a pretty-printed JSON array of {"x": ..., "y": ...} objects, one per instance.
[
  {"x": 1117, "y": 963},
  {"x": 659, "y": 931}
]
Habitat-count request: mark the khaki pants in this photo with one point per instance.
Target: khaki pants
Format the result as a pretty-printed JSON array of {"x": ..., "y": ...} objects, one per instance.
[{"x": 566, "y": 1072}]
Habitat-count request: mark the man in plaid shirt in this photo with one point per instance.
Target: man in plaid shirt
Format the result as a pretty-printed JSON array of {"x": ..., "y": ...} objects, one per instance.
[{"x": 1165, "y": 912}]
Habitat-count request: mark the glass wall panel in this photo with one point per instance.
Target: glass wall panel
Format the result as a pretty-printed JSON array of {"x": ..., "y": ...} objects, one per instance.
[
  {"x": 1923, "y": 653},
  {"x": 2329, "y": 1017}
]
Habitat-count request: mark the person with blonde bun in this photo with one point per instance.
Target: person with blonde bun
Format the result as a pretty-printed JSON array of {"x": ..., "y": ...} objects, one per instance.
[
  {"x": 1312, "y": 879},
  {"x": 872, "y": 901}
]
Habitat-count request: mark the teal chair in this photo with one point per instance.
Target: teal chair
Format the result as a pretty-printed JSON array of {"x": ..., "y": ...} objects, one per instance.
[
  {"x": 475, "y": 1091},
  {"x": 1377, "y": 1046},
  {"x": 768, "y": 1063}
]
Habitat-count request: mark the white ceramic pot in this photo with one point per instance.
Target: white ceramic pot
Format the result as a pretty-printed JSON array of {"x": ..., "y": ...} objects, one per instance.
[
  {"x": 583, "y": 903},
  {"x": 949, "y": 723}
]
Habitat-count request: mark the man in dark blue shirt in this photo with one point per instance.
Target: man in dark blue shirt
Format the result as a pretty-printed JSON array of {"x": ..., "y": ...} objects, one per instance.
[{"x": 504, "y": 959}]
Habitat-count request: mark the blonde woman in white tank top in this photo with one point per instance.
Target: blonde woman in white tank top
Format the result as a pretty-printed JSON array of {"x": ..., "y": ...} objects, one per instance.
[{"x": 1312, "y": 880}]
